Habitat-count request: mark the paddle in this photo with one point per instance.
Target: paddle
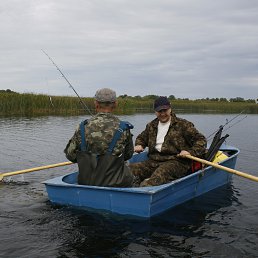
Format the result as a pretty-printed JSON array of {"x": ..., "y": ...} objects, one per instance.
[
  {"x": 230, "y": 170},
  {"x": 33, "y": 169}
]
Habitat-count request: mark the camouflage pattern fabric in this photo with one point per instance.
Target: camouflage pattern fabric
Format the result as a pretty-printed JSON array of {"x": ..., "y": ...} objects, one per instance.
[
  {"x": 151, "y": 172},
  {"x": 165, "y": 166},
  {"x": 99, "y": 133}
]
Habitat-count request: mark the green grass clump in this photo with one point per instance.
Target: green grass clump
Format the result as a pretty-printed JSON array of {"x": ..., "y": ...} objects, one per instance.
[{"x": 28, "y": 104}]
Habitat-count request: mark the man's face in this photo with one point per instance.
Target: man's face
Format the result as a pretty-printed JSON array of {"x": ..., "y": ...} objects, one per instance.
[{"x": 163, "y": 115}]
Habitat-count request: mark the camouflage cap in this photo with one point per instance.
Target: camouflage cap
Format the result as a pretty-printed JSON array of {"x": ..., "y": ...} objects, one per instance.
[{"x": 105, "y": 95}]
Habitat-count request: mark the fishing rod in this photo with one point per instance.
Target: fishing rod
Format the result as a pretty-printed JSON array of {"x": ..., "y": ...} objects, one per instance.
[
  {"x": 71, "y": 86},
  {"x": 238, "y": 121},
  {"x": 229, "y": 121}
]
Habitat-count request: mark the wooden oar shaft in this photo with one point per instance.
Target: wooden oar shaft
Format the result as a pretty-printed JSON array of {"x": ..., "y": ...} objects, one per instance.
[
  {"x": 33, "y": 169},
  {"x": 230, "y": 170}
]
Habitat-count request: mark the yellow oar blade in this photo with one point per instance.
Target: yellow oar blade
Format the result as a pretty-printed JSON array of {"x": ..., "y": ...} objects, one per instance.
[
  {"x": 230, "y": 170},
  {"x": 33, "y": 169}
]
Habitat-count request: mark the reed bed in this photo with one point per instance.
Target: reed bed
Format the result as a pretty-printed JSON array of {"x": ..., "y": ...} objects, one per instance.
[
  {"x": 191, "y": 106},
  {"x": 215, "y": 107},
  {"x": 38, "y": 104}
]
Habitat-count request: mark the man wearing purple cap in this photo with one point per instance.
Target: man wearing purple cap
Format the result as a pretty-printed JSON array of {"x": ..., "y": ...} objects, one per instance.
[{"x": 167, "y": 137}]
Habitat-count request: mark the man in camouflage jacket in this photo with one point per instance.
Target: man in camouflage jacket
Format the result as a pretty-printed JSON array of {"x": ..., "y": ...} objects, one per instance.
[
  {"x": 96, "y": 167},
  {"x": 167, "y": 137}
]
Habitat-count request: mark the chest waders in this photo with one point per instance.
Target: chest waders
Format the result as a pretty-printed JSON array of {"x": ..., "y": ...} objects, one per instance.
[{"x": 105, "y": 169}]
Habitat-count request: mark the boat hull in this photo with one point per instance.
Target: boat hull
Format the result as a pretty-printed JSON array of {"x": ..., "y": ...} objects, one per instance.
[{"x": 139, "y": 201}]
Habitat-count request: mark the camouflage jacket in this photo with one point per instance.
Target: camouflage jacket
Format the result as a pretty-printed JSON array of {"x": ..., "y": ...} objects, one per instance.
[
  {"x": 181, "y": 135},
  {"x": 99, "y": 133}
]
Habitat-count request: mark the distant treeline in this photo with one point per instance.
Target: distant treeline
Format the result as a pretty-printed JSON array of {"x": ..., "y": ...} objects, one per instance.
[
  {"x": 28, "y": 104},
  {"x": 172, "y": 97}
]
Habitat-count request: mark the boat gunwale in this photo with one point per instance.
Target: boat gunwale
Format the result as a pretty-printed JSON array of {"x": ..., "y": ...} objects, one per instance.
[{"x": 58, "y": 181}]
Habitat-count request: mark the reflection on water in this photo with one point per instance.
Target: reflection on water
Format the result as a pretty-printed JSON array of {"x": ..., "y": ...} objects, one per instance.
[
  {"x": 75, "y": 233},
  {"x": 220, "y": 223}
]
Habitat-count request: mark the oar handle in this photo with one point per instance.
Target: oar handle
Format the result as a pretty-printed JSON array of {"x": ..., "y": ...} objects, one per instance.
[
  {"x": 230, "y": 170},
  {"x": 33, "y": 169}
]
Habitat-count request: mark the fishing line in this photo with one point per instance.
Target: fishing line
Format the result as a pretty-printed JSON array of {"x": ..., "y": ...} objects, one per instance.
[
  {"x": 71, "y": 86},
  {"x": 235, "y": 123},
  {"x": 227, "y": 122}
]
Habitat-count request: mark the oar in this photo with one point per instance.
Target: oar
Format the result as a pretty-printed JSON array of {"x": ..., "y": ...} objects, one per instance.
[
  {"x": 33, "y": 169},
  {"x": 230, "y": 170}
]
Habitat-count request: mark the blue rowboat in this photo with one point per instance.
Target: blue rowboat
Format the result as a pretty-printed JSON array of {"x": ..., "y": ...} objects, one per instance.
[{"x": 140, "y": 201}]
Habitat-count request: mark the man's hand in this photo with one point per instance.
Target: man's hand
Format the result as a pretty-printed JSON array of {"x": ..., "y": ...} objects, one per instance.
[
  {"x": 138, "y": 148},
  {"x": 183, "y": 153}
]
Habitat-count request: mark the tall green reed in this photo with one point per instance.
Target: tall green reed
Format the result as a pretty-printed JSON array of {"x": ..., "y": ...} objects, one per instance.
[{"x": 39, "y": 104}]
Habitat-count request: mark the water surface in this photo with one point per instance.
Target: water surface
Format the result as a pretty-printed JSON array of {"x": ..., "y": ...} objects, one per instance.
[{"x": 222, "y": 223}]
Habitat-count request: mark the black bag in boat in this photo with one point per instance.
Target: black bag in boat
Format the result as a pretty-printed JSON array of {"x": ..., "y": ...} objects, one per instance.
[{"x": 213, "y": 149}]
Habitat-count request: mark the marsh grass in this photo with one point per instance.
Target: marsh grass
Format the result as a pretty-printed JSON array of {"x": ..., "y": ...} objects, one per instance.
[
  {"x": 191, "y": 106},
  {"x": 38, "y": 104},
  {"x": 215, "y": 107}
]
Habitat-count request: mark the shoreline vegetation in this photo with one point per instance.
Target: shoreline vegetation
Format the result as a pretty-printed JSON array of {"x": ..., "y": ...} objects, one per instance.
[{"x": 30, "y": 104}]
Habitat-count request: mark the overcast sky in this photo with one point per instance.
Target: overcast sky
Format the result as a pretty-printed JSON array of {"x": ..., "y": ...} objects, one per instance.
[{"x": 186, "y": 48}]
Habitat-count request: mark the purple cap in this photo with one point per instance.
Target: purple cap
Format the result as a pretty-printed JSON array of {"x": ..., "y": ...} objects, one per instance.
[{"x": 161, "y": 103}]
